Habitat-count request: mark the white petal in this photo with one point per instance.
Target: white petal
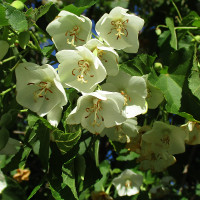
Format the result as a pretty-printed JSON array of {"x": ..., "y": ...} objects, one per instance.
[{"x": 54, "y": 116}]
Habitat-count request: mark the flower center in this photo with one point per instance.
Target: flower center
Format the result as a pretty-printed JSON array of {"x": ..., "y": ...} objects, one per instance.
[
  {"x": 120, "y": 27},
  {"x": 96, "y": 108},
  {"x": 126, "y": 97},
  {"x": 128, "y": 183},
  {"x": 82, "y": 70},
  {"x": 42, "y": 91},
  {"x": 165, "y": 139},
  {"x": 73, "y": 34}
]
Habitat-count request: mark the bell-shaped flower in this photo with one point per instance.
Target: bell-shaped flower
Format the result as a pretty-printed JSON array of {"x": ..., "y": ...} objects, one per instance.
[
  {"x": 69, "y": 31},
  {"x": 170, "y": 138},
  {"x": 107, "y": 55},
  {"x": 39, "y": 89},
  {"x": 122, "y": 133},
  {"x": 120, "y": 29},
  {"x": 4, "y": 48},
  {"x": 134, "y": 90},
  {"x": 98, "y": 110},
  {"x": 154, "y": 95},
  {"x": 192, "y": 130},
  {"x": 128, "y": 183},
  {"x": 80, "y": 69},
  {"x": 3, "y": 183},
  {"x": 153, "y": 157}
]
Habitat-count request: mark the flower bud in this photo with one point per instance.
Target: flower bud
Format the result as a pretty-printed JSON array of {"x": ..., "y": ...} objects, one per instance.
[
  {"x": 158, "y": 31},
  {"x": 18, "y": 4},
  {"x": 158, "y": 66}
]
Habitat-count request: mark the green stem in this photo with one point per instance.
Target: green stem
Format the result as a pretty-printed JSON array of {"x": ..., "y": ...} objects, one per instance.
[
  {"x": 108, "y": 189},
  {"x": 18, "y": 62},
  {"x": 179, "y": 14},
  {"x": 186, "y": 28},
  {"x": 12, "y": 57},
  {"x": 36, "y": 41},
  {"x": 8, "y": 90},
  {"x": 95, "y": 36},
  {"x": 24, "y": 110}
]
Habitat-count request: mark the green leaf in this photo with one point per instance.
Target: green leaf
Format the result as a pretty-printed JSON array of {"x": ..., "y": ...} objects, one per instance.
[
  {"x": 65, "y": 141},
  {"x": 79, "y": 7},
  {"x": 170, "y": 24},
  {"x": 34, "y": 14},
  {"x": 3, "y": 20},
  {"x": 44, "y": 138},
  {"x": 48, "y": 50},
  {"x": 69, "y": 178},
  {"x": 16, "y": 18},
  {"x": 171, "y": 84},
  {"x": 127, "y": 155},
  {"x": 138, "y": 66},
  {"x": 4, "y": 136},
  {"x": 192, "y": 19},
  {"x": 24, "y": 38}
]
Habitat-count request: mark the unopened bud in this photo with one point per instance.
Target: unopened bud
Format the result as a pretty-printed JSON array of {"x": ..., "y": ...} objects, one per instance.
[
  {"x": 158, "y": 66},
  {"x": 18, "y": 4},
  {"x": 158, "y": 31}
]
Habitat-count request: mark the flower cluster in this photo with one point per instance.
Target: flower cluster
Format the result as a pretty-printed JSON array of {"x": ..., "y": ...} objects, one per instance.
[{"x": 107, "y": 109}]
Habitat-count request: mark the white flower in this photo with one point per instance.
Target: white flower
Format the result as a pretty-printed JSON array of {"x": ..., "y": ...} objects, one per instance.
[
  {"x": 4, "y": 48},
  {"x": 80, "y": 69},
  {"x": 192, "y": 130},
  {"x": 133, "y": 88},
  {"x": 98, "y": 110},
  {"x": 69, "y": 31},
  {"x": 39, "y": 88},
  {"x": 57, "y": 2},
  {"x": 154, "y": 157},
  {"x": 120, "y": 30},
  {"x": 123, "y": 132},
  {"x": 128, "y": 183},
  {"x": 3, "y": 183},
  {"x": 107, "y": 55},
  {"x": 170, "y": 138}
]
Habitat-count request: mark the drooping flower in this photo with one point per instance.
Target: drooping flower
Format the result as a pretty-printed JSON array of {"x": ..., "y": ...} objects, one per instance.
[
  {"x": 98, "y": 110},
  {"x": 80, "y": 69},
  {"x": 170, "y": 138},
  {"x": 192, "y": 130},
  {"x": 120, "y": 29},
  {"x": 128, "y": 183},
  {"x": 39, "y": 89},
  {"x": 69, "y": 31},
  {"x": 133, "y": 88},
  {"x": 107, "y": 55},
  {"x": 153, "y": 157},
  {"x": 122, "y": 133},
  {"x": 4, "y": 48}
]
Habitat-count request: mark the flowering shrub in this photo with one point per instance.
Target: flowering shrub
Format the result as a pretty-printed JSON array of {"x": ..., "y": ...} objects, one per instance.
[{"x": 100, "y": 116}]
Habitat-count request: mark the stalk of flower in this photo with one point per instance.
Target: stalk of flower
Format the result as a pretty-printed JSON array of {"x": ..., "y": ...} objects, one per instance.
[
  {"x": 170, "y": 138},
  {"x": 39, "y": 89},
  {"x": 122, "y": 133},
  {"x": 80, "y": 69},
  {"x": 97, "y": 110},
  {"x": 69, "y": 31},
  {"x": 133, "y": 88},
  {"x": 107, "y": 55},
  {"x": 120, "y": 29},
  {"x": 128, "y": 183}
]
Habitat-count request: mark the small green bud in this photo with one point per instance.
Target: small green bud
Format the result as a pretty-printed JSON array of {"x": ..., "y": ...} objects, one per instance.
[
  {"x": 158, "y": 66},
  {"x": 18, "y": 4},
  {"x": 196, "y": 38},
  {"x": 158, "y": 31}
]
